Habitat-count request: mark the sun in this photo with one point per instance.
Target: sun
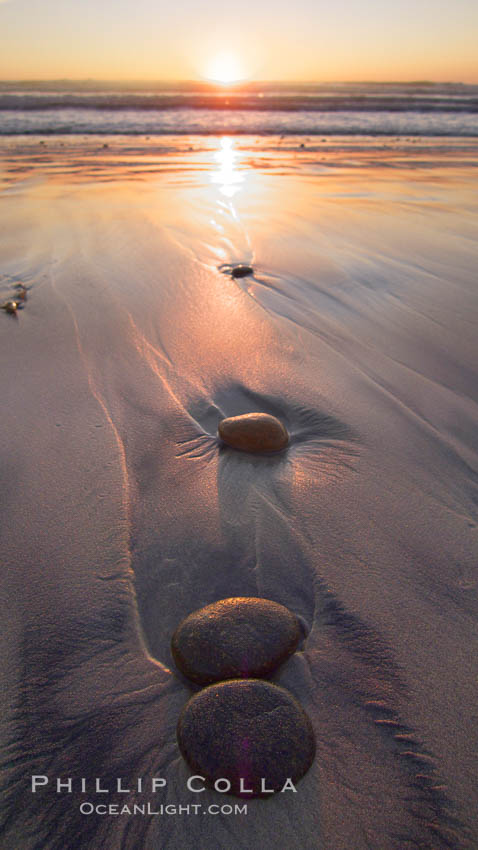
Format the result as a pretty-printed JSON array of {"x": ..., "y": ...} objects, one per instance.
[{"x": 225, "y": 68}]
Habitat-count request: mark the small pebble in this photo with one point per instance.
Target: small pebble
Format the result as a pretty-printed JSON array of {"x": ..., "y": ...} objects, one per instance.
[
  {"x": 254, "y": 432},
  {"x": 251, "y": 735},
  {"x": 241, "y": 271},
  {"x": 10, "y": 307},
  {"x": 240, "y": 637}
]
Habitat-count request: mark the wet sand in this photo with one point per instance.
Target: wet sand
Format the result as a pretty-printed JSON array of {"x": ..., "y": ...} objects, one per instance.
[{"x": 121, "y": 513}]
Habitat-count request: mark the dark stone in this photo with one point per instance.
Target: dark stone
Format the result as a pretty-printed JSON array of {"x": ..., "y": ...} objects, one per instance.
[
  {"x": 10, "y": 307},
  {"x": 254, "y": 432},
  {"x": 241, "y": 271},
  {"x": 250, "y": 730},
  {"x": 236, "y": 638}
]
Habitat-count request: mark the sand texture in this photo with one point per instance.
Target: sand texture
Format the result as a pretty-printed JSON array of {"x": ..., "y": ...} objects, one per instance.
[{"x": 122, "y": 513}]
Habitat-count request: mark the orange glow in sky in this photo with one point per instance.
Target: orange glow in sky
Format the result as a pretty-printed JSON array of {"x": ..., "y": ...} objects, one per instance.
[{"x": 357, "y": 40}]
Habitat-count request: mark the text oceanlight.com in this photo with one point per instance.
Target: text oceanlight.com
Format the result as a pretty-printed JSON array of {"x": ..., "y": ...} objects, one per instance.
[{"x": 88, "y": 808}]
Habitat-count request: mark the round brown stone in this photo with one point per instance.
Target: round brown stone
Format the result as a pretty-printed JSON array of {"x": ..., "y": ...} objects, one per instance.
[
  {"x": 249, "y": 733},
  {"x": 254, "y": 432},
  {"x": 240, "y": 637}
]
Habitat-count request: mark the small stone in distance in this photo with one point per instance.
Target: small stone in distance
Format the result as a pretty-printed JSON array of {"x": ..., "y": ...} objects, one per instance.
[
  {"x": 241, "y": 271},
  {"x": 240, "y": 637},
  {"x": 249, "y": 733},
  {"x": 254, "y": 432},
  {"x": 10, "y": 307}
]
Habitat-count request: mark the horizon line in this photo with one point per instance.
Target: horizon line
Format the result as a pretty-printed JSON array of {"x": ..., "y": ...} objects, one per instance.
[{"x": 235, "y": 84}]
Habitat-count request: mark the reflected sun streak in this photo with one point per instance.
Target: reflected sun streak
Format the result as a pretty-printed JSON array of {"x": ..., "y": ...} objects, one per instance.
[{"x": 227, "y": 176}]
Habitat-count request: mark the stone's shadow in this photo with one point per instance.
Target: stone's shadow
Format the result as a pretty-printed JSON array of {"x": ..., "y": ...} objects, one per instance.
[{"x": 256, "y": 494}]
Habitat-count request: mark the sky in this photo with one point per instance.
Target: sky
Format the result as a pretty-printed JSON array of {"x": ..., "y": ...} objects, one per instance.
[{"x": 307, "y": 40}]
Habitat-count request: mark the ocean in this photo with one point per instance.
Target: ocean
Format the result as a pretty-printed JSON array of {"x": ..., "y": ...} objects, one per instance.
[{"x": 155, "y": 109}]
